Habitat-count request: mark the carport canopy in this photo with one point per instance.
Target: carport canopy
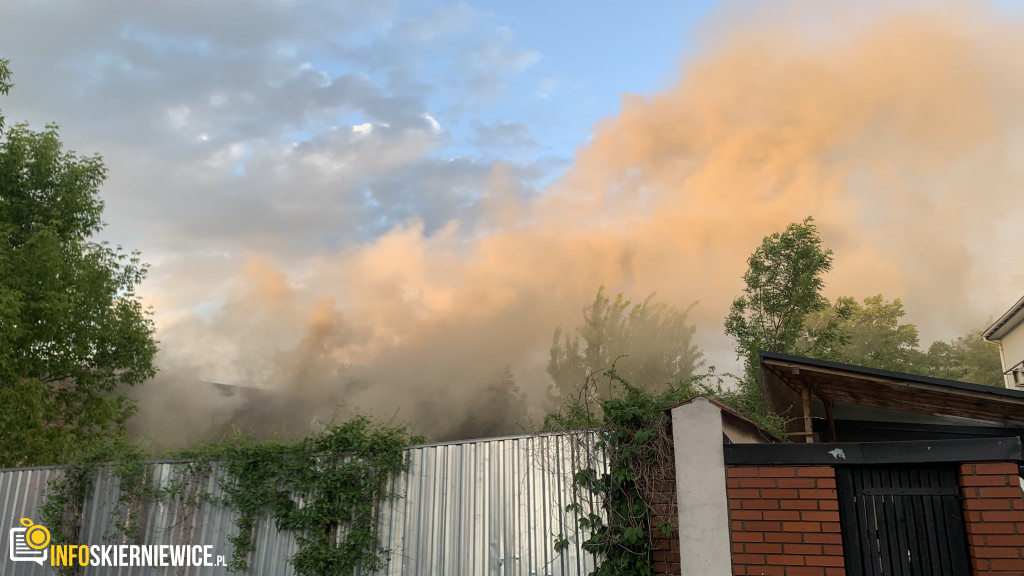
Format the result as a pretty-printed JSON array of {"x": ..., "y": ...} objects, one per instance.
[{"x": 790, "y": 382}]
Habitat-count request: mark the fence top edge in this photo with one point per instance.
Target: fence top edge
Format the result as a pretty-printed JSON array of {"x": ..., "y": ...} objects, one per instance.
[{"x": 159, "y": 461}]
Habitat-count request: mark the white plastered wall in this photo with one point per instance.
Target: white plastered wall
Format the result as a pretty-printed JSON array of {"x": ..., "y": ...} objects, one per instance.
[{"x": 704, "y": 542}]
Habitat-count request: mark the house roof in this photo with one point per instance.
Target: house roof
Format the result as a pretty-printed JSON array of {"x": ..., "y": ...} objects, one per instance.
[
  {"x": 732, "y": 416},
  {"x": 1008, "y": 321},
  {"x": 783, "y": 376}
]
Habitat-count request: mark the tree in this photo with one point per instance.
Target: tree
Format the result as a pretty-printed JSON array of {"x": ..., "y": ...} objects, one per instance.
[
  {"x": 968, "y": 358},
  {"x": 5, "y": 85},
  {"x": 499, "y": 410},
  {"x": 870, "y": 334},
  {"x": 783, "y": 285},
  {"x": 73, "y": 333},
  {"x": 650, "y": 345},
  {"x": 873, "y": 335},
  {"x": 782, "y": 310}
]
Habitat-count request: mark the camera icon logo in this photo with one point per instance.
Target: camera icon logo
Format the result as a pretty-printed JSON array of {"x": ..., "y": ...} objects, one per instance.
[{"x": 28, "y": 543}]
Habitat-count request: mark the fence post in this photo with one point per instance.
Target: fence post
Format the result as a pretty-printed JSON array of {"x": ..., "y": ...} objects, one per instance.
[{"x": 697, "y": 433}]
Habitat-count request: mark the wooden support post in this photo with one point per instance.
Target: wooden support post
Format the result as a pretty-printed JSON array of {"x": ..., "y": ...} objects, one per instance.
[
  {"x": 829, "y": 405},
  {"x": 805, "y": 393}
]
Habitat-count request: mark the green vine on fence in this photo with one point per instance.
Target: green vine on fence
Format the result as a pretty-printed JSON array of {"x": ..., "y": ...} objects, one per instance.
[
  {"x": 324, "y": 489},
  {"x": 62, "y": 510},
  {"x": 633, "y": 433}
]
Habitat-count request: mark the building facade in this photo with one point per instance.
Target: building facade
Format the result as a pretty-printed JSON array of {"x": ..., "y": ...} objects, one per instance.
[{"x": 1008, "y": 332}]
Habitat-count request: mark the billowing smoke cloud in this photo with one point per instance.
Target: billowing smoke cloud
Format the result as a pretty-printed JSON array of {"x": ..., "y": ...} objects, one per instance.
[{"x": 898, "y": 128}]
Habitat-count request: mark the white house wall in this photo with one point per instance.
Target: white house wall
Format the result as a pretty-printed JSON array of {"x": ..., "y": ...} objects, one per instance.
[{"x": 1012, "y": 350}]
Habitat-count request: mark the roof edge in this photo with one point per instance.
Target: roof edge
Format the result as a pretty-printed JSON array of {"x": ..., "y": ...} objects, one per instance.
[
  {"x": 1005, "y": 323},
  {"x": 905, "y": 376},
  {"x": 727, "y": 410}
]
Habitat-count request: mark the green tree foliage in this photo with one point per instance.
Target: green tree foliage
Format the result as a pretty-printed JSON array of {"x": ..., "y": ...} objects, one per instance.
[
  {"x": 73, "y": 333},
  {"x": 870, "y": 334},
  {"x": 782, "y": 310},
  {"x": 783, "y": 285},
  {"x": 873, "y": 335},
  {"x": 650, "y": 344},
  {"x": 968, "y": 358},
  {"x": 5, "y": 85}
]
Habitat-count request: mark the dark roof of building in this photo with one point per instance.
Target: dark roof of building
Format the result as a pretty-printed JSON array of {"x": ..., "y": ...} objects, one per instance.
[{"x": 784, "y": 375}]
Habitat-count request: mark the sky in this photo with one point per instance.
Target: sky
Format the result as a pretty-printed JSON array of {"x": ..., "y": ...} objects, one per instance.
[
  {"x": 164, "y": 93},
  {"x": 413, "y": 195}
]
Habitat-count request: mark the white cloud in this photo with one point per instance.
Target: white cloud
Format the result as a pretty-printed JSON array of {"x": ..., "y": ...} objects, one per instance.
[{"x": 434, "y": 125}]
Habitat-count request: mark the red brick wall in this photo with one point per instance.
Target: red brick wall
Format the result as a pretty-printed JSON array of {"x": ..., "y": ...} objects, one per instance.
[
  {"x": 666, "y": 548},
  {"x": 993, "y": 517},
  {"x": 785, "y": 521}
]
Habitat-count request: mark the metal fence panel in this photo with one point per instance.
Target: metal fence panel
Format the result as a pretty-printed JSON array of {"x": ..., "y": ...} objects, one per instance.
[
  {"x": 22, "y": 493},
  {"x": 482, "y": 507}
]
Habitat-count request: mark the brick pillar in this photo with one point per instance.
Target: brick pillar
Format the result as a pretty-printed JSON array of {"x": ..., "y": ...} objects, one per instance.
[
  {"x": 666, "y": 548},
  {"x": 993, "y": 508},
  {"x": 785, "y": 521}
]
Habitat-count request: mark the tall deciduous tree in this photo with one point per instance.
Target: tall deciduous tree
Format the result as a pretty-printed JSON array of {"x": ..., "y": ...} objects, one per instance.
[
  {"x": 782, "y": 310},
  {"x": 783, "y": 285},
  {"x": 650, "y": 345},
  {"x": 874, "y": 335},
  {"x": 73, "y": 333},
  {"x": 871, "y": 334},
  {"x": 968, "y": 358}
]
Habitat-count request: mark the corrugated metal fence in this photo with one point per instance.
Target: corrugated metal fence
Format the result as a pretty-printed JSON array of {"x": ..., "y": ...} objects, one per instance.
[{"x": 487, "y": 507}]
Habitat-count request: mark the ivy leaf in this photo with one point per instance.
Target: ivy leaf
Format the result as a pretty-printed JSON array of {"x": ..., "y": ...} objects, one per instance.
[{"x": 561, "y": 544}]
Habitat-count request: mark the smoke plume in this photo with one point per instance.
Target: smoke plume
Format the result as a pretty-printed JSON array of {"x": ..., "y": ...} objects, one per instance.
[{"x": 899, "y": 128}]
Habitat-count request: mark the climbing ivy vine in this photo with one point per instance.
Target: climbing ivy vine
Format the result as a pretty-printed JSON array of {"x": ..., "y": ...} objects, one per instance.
[
  {"x": 633, "y": 432},
  {"x": 62, "y": 511},
  {"x": 324, "y": 489}
]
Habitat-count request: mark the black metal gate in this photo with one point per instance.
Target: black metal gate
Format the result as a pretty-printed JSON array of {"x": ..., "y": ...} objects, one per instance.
[{"x": 902, "y": 521}]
